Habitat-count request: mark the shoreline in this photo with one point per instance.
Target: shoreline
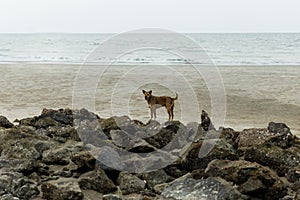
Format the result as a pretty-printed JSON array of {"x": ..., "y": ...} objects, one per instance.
[{"x": 255, "y": 95}]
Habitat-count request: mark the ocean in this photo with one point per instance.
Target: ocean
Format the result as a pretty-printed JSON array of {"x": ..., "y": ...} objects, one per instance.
[
  {"x": 222, "y": 49},
  {"x": 260, "y": 73}
]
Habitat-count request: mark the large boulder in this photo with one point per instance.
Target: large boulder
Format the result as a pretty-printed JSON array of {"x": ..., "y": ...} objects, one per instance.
[
  {"x": 281, "y": 160},
  {"x": 254, "y": 137},
  {"x": 251, "y": 178},
  {"x": 187, "y": 188}
]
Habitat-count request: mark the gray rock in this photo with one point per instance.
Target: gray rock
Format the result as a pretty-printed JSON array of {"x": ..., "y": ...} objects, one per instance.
[
  {"x": 156, "y": 177},
  {"x": 60, "y": 156},
  {"x": 62, "y": 189},
  {"x": 98, "y": 181},
  {"x": 193, "y": 158},
  {"x": 186, "y": 188},
  {"x": 130, "y": 183}
]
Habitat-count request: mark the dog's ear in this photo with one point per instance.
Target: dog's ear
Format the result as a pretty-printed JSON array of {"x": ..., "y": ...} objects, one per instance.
[
  {"x": 150, "y": 92},
  {"x": 143, "y": 91}
]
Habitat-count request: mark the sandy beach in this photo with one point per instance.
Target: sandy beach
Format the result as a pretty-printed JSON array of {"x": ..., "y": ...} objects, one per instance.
[{"x": 255, "y": 95}]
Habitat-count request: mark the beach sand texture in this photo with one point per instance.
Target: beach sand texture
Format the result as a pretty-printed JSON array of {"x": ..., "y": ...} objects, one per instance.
[{"x": 255, "y": 95}]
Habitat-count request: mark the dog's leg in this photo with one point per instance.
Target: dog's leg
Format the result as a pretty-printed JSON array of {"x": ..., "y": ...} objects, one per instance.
[
  {"x": 172, "y": 111},
  {"x": 154, "y": 111},
  {"x": 151, "y": 110}
]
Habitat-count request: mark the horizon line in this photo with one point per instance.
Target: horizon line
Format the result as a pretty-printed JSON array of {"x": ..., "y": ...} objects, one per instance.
[{"x": 262, "y": 32}]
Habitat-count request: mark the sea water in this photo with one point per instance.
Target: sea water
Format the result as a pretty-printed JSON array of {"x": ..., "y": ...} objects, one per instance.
[{"x": 222, "y": 49}]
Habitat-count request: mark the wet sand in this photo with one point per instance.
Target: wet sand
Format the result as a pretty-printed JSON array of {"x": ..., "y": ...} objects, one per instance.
[{"x": 255, "y": 95}]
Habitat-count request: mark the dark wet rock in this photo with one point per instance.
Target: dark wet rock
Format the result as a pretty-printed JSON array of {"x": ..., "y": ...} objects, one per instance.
[
  {"x": 84, "y": 160},
  {"x": 230, "y": 136},
  {"x": 96, "y": 180},
  {"x": 30, "y": 121},
  {"x": 161, "y": 139},
  {"x": 155, "y": 178},
  {"x": 251, "y": 178},
  {"x": 175, "y": 171},
  {"x": 274, "y": 127},
  {"x": 193, "y": 158},
  {"x": 45, "y": 122},
  {"x": 63, "y": 116},
  {"x": 62, "y": 189},
  {"x": 62, "y": 134},
  {"x": 165, "y": 134},
  {"x": 5, "y": 123},
  {"x": 186, "y": 188},
  {"x": 274, "y": 157},
  {"x": 130, "y": 184},
  {"x": 293, "y": 175},
  {"x": 205, "y": 121},
  {"x": 108, "y": 124}
]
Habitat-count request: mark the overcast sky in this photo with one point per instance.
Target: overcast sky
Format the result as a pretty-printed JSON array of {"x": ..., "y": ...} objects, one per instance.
[{"x": 115, "y": 16}]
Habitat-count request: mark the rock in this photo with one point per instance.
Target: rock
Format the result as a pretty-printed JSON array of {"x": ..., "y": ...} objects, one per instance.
[
  {"x": 62, "y": 189},
  {"x": 45, "y": 122},
  {"x": 125, "y": 140},
  {"x": 84, "y": 160},
  {"x": 293, "y": 175},
  {"x": 63, "y": 116},
  {"x": 254, "y": 137},
  {"x": 274, "y": 157},
  {"x": 16, "y": 184},
  {"x": 130, "y": 183},
  {"x": 111, "y": 197},
  {"x": 30, "y": 121},
  {"x": 187, "y": 188},
  {"x": 5, "y": 123},
  {"x": 220, "y": 149},
  {"x": 162, "y": 138},
  {"x": 62, "y": 134},
  {"x": 251, "y": 178},
  {"x": 205, "y": 121},
  {"x": 156, "y": 177},
  {"x": 278, "y": 128},
  {"x": 96, "y": 180},
  {"x": 60, "y": 156},
  {"x": 108, "y": 124},
  {"x": 230, "y": 136},
  {"x": 175, "y": 171}
]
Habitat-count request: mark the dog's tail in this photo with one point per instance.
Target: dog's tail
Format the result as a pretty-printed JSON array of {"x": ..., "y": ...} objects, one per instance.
[{"x": 175, "y": 97}]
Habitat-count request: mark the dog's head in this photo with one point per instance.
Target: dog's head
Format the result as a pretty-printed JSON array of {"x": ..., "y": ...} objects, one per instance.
[{"x": 147, "y": 94}]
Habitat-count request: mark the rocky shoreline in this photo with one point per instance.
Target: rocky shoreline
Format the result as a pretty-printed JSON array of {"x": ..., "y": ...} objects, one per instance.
[{"x": 75, "y": 154}]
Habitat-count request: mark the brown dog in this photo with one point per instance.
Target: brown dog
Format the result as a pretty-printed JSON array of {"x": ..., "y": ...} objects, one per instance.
[{"x": 157, "y": 102}]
